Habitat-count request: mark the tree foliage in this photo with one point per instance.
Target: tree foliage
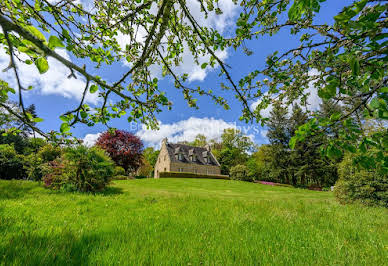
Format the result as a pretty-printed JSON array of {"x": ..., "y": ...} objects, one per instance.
[
  {"x": 303, "y": 165},
  {"x": 124, "y": 148},
  {"x": 345, "y": 60}
]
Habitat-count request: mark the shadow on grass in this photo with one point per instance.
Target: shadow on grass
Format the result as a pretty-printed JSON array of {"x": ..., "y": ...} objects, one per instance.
[
  {"x": 15, "y": 189},
  {"x": 64, "y": 249},
  {"x": 109, "y": 191}
]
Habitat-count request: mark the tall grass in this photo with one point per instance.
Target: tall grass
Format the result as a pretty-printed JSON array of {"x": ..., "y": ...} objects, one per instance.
[{"x": 187, "y": 221}]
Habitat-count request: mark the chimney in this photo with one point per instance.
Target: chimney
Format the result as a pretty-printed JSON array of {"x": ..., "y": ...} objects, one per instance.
[
  {"x": 164, "y": 141},
  {"x": 207, "y": 147}
]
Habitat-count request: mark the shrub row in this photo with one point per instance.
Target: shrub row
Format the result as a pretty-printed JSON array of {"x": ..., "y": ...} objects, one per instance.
[{"x": 190, "y": 175}]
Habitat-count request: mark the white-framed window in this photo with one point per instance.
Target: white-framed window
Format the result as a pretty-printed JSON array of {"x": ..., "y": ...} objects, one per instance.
[
  {"x": 180, "y": 169},
  {"x": 180, "y": 157}
]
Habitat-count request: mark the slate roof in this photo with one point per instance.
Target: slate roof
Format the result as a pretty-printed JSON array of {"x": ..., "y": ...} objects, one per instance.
[{"x": 187, "y": 150}]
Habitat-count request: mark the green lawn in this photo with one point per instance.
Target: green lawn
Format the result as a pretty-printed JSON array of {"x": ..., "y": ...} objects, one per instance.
[{"x": 187, "y": 222}]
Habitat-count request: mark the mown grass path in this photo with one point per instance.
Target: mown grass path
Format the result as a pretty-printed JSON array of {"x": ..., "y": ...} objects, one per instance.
[{"x": 187, "y": 222}]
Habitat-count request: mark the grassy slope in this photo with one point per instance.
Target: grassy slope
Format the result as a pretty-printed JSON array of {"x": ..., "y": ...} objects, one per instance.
[{"x": 182, "y": 221}]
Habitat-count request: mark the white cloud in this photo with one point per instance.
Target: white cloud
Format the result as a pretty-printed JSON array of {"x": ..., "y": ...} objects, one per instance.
[
  {"x": 264, "y": 133},
  {"x": 313, "y": 101},
  {"x": 222, "y": 23},
  {"x": 54, "y": 82},
  {"x": 185, "y": 130},
  {"x": 90, "y": 139}
]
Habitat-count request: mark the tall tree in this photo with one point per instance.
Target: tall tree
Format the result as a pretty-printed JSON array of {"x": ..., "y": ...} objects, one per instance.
[
  {"x": 279, "y": 136},
  {"x": 199, "y": 141},
  {"x": 235, "y": 148}
]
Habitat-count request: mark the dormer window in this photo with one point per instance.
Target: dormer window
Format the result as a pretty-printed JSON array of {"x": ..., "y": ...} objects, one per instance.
[
  {"x": 193, "y": 158},
  {"x": 180, "y": 157}
]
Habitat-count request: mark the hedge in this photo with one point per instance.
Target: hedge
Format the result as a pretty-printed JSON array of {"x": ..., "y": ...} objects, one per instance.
[{"x": 190, "y": 175}]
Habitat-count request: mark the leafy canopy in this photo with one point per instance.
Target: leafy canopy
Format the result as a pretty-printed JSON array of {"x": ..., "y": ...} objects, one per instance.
[{"x": 345, "y": 60}]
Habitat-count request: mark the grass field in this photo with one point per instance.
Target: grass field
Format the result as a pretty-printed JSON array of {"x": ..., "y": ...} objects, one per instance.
[{"x": 187, "y": 222}]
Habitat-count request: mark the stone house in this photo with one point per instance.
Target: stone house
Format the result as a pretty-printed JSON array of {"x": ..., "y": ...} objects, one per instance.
[{"x": 187, "y": 159}]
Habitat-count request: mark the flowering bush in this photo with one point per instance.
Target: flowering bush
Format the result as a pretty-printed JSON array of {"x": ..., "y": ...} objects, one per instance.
[
  {"x": 81, "y": 169},
  {"x": 36, "y": 164}
]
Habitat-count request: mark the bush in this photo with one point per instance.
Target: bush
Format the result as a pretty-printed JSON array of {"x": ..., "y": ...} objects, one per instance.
[
  {"x": 82, "y": 169},
  {"x": 369, "y": 187},
  {"x": 240, "y": 172},
  {"x": 36, "y": 164},
  {"x": 190, "y": 175},
  {"x": 34, "y": 167},
  {"x": 11, "y": 163},
  {"x": 119, "y": 171},
  {"x": 49, "y": 153}
]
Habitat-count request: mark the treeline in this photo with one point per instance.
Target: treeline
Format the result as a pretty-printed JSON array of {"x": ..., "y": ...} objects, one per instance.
[{"x": 306, "y": 165}]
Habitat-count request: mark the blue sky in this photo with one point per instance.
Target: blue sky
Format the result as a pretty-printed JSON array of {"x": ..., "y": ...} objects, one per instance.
[{"x": 54, "y": 93}]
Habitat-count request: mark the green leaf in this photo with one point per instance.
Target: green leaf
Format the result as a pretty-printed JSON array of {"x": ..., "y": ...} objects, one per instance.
[
  {"x": 34, "y": 31},
  {"x": 37, "y": 120},
  {"x": 293, "y": 141},
  {"x": 335, "y": 117},
  {"x": 64, "y": 118},
  {"x": 54, "y": 42},
  {"x": 374, "y": 103},
  {"x": 355, "y": 66},
  {"x": 65, "y": 127},
  {"x": 384, "y": 90},
  {"x": 42, "y": 65},
  {"x": 83, "y": 114},
  {"x": 93, "y": 88},
  {"x": 204, "y": 65}
]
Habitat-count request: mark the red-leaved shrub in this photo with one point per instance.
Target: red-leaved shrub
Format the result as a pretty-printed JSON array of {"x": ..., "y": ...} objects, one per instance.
[{"x": 123, "y": 147}]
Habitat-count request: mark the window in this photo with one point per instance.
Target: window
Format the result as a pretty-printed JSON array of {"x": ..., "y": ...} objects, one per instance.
[
  {"x": 176, "y": 156},
  {"x": 195, "y": 171},
  {"x": 180, "y": 169},
  {"x": 159, "y": 159},
  {"x": 165, "y": 169},
  {"x": 165, "y": 157},
  {"x": 180, "y": 157}
]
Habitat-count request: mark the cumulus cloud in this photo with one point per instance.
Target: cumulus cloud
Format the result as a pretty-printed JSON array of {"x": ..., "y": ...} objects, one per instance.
[
  {"x": 90, "y": 139},
  {"x": 185, "y": 130},
  {"x": 54, "y": 82}
]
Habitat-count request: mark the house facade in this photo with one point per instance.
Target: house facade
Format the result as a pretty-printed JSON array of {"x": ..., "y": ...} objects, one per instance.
[{"x": 186, "y": 159}]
